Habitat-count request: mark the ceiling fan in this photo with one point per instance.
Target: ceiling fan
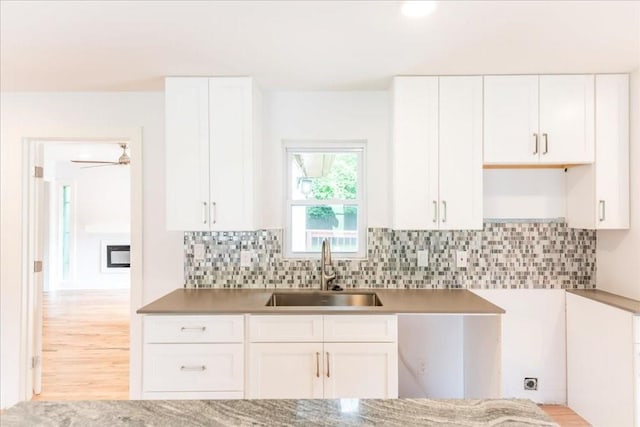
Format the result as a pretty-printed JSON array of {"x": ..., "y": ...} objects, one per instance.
[{"x": 124, "y": 160}]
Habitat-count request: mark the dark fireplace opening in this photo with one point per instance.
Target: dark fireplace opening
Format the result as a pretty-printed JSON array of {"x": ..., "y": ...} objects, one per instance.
[{"x": 118, "y": 256}]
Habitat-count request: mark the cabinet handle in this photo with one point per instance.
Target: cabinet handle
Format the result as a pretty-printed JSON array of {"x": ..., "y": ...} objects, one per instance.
[
  {"x": 317, "y": 364},
  {"x": 204, "y": 212},
  {"x": 214, "y": 211},
  {"x": 328, "y": 366},
  {"x": 444, "y": 211},
  {"x": 602, "y": 211},
  {"x": 435, "y": 211},
  {"x": 546, "y": 143},
  {"x": 193, "y": 328},
  {"x": 193, "y": 368},
  {"x": 535, "y": 146}
]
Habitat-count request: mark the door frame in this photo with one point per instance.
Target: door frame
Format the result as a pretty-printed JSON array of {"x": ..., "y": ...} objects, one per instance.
[{"x": 29, "y": 295}]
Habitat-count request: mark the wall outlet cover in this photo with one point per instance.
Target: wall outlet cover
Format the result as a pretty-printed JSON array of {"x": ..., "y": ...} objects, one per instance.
[
  {"x": 423, "y": 258},
  {"x": 198, "y": 251},
  {"x": 245, "y": 258},
  {"x": 462, "y": 259},
  {"x": 530, "y": 383}
]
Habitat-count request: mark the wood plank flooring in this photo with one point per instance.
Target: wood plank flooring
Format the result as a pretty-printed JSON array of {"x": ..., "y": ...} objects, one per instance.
[
  {"x": 564, "y": 416},
  {"x": 85, "y": 345},
  {"x": 86, "y": 350}
]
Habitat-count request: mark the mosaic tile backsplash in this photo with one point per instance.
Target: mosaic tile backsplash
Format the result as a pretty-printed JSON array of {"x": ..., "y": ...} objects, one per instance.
[{"x": 502, "y": 255}]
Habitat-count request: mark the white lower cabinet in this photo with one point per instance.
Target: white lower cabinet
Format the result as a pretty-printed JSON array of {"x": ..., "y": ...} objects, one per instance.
[
  {"x": 600, "y": 383},
  {"x": 193, "y": 357},
  {"x": 286, "y": 370},
  {"x": 362, "y": 370},
  {"x": 365, "y": 369}
]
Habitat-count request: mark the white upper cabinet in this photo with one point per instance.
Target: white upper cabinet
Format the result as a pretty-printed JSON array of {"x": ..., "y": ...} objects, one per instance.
[
  {"x": 437, "y": 153},
  {"x": 460, "y": 153},
  {"x": 510, "y": 119},
  {"x": 566, "y": 119},
  {"x": 415, "y": 153},
  {"x": 546, "y": 119},
  {"x": 211, "y": 153},
  {"x": 598, "y": 194},
  {"x": 187, "y": 153}
]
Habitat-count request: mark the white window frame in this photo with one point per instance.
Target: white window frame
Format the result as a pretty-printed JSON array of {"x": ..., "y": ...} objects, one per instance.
[{"x": 358, "y": 147}]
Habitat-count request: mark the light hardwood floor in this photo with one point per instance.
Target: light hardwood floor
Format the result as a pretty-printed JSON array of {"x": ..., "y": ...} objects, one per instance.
[
  {"x": 564, "y": 416},
  {"x": 85, "y": 345},
  {"x": 86, "y": 350}
]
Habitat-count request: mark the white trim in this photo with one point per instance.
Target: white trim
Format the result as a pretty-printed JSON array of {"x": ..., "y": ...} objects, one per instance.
[
  {"x": 30, "y": 146},
  {"x": 333, "y": 146}
]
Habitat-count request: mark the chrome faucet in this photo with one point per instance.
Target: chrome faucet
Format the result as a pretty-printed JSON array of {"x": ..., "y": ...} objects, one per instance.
[{"x": 325, "y": 260}]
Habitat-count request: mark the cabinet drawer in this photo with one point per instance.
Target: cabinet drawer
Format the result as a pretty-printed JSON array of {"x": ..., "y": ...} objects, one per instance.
[
  {"x": 193, "y": 329},
  {"x": 360, "y": 328},
  {"x": 193, "y": 367},
  {"x": 287, "y": 328}
]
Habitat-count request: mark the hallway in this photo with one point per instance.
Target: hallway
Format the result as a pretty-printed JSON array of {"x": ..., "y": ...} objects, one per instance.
[{"x": 85, "y": 345}]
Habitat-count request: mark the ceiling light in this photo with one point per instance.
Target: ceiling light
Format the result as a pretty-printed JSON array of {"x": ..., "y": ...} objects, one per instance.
[{"x": 418, "y": 8}]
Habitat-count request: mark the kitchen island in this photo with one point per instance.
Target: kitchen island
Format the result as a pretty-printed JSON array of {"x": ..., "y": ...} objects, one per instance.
[{"x": 339, "y": 412}]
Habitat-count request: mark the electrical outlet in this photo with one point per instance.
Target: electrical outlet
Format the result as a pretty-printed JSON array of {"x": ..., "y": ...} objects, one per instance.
[
  {"x": 198, "y": 251},
  {"x": 530, "y": 383},
  {"x": 422, "y": 368},
  {"x": 245, "y": 258},
  {"x": 423, "y": 258},
  {"x": 462, "y": 259}
]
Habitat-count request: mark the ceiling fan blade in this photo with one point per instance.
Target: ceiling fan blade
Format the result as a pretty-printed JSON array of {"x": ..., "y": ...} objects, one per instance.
[
  {"x": 93, "y": 161},
  {"x": 100, "y": 166}
]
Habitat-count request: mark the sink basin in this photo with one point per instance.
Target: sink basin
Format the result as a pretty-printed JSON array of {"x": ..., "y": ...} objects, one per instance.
[{"x": 320, "y": 299}]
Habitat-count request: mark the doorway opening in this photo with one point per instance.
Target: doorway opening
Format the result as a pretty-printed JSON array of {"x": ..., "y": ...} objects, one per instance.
[{"x": 82, "y": 301}]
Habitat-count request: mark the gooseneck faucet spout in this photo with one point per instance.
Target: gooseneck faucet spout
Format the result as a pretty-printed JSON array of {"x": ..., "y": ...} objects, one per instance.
[{"x": 325, "y": 260}]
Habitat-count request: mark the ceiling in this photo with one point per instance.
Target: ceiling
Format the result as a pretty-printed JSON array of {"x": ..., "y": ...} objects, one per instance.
[{"x": 304, "y": 45}]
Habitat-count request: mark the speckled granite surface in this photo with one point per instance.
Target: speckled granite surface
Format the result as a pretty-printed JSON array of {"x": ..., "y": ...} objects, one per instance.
[{"x": 340, "y": 412}]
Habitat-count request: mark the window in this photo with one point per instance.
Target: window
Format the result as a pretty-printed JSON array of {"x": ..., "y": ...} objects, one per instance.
[
  {"x": 325, "y": 200},
  {"x": 65, "y": 233}
]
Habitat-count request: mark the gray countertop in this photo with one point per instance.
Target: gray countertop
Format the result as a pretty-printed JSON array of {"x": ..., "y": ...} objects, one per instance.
[
  {"x": 221, "y": 301},
  {"x": 623, "y": 303},
  {"x": 343, "y": 412}
]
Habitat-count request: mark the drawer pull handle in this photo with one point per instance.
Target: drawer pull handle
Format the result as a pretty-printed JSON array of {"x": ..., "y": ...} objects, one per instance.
[
  {"x": 193, "y": 368},
  {"x": 317, "y": 364},
  {"x": 546, "y": 143},
  {"x": 193, "y": 328},
  {"x": 328, "y": 365}
]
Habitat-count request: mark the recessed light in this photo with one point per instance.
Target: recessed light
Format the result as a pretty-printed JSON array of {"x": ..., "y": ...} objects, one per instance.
[{"x": 418, "y": 8}]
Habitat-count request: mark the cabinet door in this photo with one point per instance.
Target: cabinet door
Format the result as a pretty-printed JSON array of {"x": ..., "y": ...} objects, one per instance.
[
  {"x": 415, "y": 153},
  {"x": 511, "y": 120},
  {"x": 460, "y": 151},
  {"x": 187, "y": 153},
  {"x": 230, "y": 109},
  {"x": 361, "y": 370},
  {"x": 285, "y": 371},
  {"x": 600, "y": 362},
  {"x": 612, "y": 152},
  {"x": 566, "y": 119}
]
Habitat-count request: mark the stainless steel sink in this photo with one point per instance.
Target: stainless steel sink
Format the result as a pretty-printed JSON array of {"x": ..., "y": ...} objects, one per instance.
[{"x": 315, "y": 299}]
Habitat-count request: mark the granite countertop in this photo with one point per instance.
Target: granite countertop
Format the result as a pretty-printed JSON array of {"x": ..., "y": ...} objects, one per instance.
[
  {"x": 623, "y": 303},
  {"x": 419, "y": 301},
  {"x": 342, "y": 412}
]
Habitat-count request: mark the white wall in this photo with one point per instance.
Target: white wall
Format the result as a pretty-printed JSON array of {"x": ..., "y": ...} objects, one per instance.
[
  {"x": 431, "y": 354},
  {"x": 40, "y": 115},
  {"x": 524, "y": 193},
  {"x": 533, "y": 342},
  {"x": 617, "y": 251},
  {"x": 327, "y": 116}
]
